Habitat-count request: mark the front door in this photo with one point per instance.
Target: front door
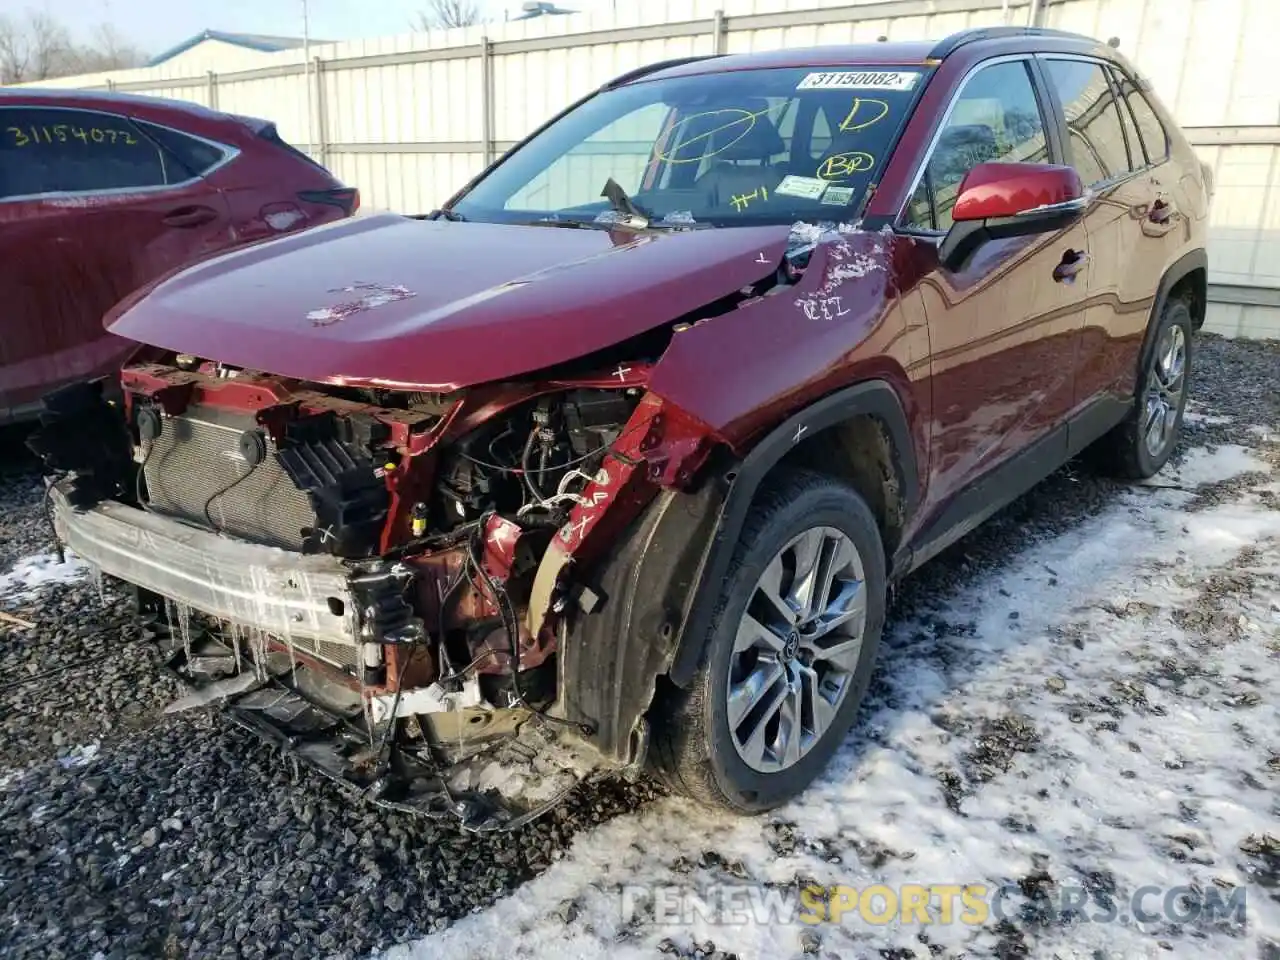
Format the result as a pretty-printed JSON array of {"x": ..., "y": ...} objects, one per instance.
[
  {"x": 1004, "y": 330},
  {"x": 90, "y": 210}
]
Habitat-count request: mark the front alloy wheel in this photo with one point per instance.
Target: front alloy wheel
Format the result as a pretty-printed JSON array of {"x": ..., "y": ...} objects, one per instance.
[
  {"x": 796, "y": 650},
  {"x": 788, "y": 655}
]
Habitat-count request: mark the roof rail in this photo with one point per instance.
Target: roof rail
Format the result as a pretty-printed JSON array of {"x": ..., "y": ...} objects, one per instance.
[
  {"x": 639, "y": 72},
  {"x": 944, "y": 48}
]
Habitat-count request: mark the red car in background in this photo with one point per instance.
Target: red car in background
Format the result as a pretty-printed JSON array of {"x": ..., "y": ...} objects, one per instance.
[{"x": 101, "y": 193}]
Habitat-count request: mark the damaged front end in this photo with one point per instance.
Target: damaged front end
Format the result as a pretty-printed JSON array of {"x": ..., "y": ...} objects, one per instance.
[{"x": 395, "y": 585}]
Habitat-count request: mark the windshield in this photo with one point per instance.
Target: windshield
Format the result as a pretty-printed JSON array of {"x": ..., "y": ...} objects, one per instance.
[{"x": 724, "y": 149}]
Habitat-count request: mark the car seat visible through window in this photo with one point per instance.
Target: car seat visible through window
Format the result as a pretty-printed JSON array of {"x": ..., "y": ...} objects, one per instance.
[{"x": 741, "y": 162}]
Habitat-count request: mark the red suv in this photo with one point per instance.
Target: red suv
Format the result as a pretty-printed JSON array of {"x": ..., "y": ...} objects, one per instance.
[
  {"x": 609, "y": 463},
  {"x": 100, "y": 193}
]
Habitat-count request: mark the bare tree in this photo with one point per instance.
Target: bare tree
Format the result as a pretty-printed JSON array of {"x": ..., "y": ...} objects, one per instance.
[
  {"x": 32, "y": 48},
  {"x": 37, "y": 47},
  {"x": 107, "y": 50},
  {"x": 450, "y": 13}
]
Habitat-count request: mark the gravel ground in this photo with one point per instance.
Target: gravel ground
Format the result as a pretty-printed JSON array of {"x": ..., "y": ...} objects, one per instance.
[{"x": 127, "y": 833}]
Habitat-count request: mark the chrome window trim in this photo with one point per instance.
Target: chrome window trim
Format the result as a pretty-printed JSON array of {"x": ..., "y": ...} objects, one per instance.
[
  {"x": 977, "y": 68},
  {"x": 1141, "y": 91},
  {"x": 229, "y": 154}
]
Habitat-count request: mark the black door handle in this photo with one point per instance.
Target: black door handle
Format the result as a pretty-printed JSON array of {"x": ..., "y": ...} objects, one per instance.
[
  {"x": 1161, "y": 211},
  {"x": 187, "y": 217},
  {"x": 1073, "y": 261}
]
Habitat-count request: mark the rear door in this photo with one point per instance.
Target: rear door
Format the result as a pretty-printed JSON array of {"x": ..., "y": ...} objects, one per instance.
[
  {"x": 1133, "y": 220},
  {"x": 1004, "y": 330},
  {"x": 91, "y": 208}
]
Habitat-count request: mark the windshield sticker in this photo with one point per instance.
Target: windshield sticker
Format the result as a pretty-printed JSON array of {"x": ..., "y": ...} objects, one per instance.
[
  {"x": 844, "y": 165},
  {"x": 864, "y": 113},
  {"x": 808, "y": 187},
  {"x": 838, "y": 196},
  {"x": 860, "y": 80}
]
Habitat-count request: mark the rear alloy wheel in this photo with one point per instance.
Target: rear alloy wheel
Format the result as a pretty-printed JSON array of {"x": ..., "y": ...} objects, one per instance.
[
  {"x": 788, "y": 655},
  {"x": 1145, "y": 439},
  {"x": 1165, "y": 391}
]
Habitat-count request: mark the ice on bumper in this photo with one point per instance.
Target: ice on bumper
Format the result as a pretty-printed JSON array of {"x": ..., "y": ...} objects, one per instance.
[{"x": 265, "y": 588}]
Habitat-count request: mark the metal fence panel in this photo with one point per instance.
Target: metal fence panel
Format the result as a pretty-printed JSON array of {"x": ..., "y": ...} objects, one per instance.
[{"x": 408, "y": 119}]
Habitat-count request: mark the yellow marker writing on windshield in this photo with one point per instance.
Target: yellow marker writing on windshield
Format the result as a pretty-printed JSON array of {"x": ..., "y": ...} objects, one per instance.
[
  {"x": 863, "y": 114},
  {"x": 845, "y": 165},
  {"x": 741, "y": 201},
  {"x": 736, "y": 117}
]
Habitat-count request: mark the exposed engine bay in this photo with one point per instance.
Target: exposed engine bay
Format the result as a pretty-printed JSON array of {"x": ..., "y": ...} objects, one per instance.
[{"x": 378, "y": 580}]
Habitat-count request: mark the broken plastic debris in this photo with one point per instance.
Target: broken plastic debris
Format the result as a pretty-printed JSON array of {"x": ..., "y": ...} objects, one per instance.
[
  {"x": 215, "y": 692},
  {"x": 679, "y": 218},
  {"x": 804, "y": 233}
]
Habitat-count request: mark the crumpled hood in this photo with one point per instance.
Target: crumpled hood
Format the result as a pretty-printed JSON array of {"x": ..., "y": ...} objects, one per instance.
[{"x": 436, "y": 305}]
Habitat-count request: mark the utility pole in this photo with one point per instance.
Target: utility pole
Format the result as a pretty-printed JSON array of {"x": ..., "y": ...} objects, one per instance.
[{"x": 306, "y": 78}]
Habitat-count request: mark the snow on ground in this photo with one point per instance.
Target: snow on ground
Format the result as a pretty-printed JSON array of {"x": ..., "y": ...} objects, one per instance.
[
  {"x": 1097, "y": 717},
  {"x": 31, "y": 573},
  {"x": 1204, "y": 465}
]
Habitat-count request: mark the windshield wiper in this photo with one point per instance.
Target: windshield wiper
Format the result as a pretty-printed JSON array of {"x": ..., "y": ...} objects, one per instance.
[
  {"x": 445, "y": 214},
  {"x": 569, "y": 224}
]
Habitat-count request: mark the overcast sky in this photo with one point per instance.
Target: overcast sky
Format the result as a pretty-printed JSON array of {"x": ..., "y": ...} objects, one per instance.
[{"x": 156, "y": 25}]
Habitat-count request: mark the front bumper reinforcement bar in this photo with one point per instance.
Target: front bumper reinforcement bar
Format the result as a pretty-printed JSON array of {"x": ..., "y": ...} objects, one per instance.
[{"x": 282, "y": 593}]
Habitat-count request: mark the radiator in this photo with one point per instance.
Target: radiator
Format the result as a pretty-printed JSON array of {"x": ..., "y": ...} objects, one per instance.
[{"x": 196, "y": 464}]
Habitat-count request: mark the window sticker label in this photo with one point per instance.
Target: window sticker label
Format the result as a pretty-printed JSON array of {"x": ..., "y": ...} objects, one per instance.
[
  {"x": 838, "y": 196},
  {"x": 810, "y": 188},
  {"x": 860, "y": 80}
]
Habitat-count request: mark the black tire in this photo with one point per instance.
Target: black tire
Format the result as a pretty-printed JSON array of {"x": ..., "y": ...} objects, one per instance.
[
  {"x": 690, "y": 746},
  {"x": 1124, "y": 451}
]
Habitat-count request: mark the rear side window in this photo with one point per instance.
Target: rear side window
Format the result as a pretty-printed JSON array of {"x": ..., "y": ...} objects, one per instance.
[
  {"x": 196, "y": 156},
  {"x": 269, "y": 133},
  {"x": 1095, "y": 136},
  {"x": 996, "y": 117},
  {"x": 1155, "y": 140},
  {"x": 76, "y": 151}
]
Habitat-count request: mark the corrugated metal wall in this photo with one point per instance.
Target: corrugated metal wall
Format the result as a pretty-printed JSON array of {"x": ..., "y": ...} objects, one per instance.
[
  {"x": 409, "y": 119},
  {"x": 1213, "y": 64}
]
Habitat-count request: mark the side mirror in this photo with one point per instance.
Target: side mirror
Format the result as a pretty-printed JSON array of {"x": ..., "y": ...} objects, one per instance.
[{"x": 998, "y": 200}]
